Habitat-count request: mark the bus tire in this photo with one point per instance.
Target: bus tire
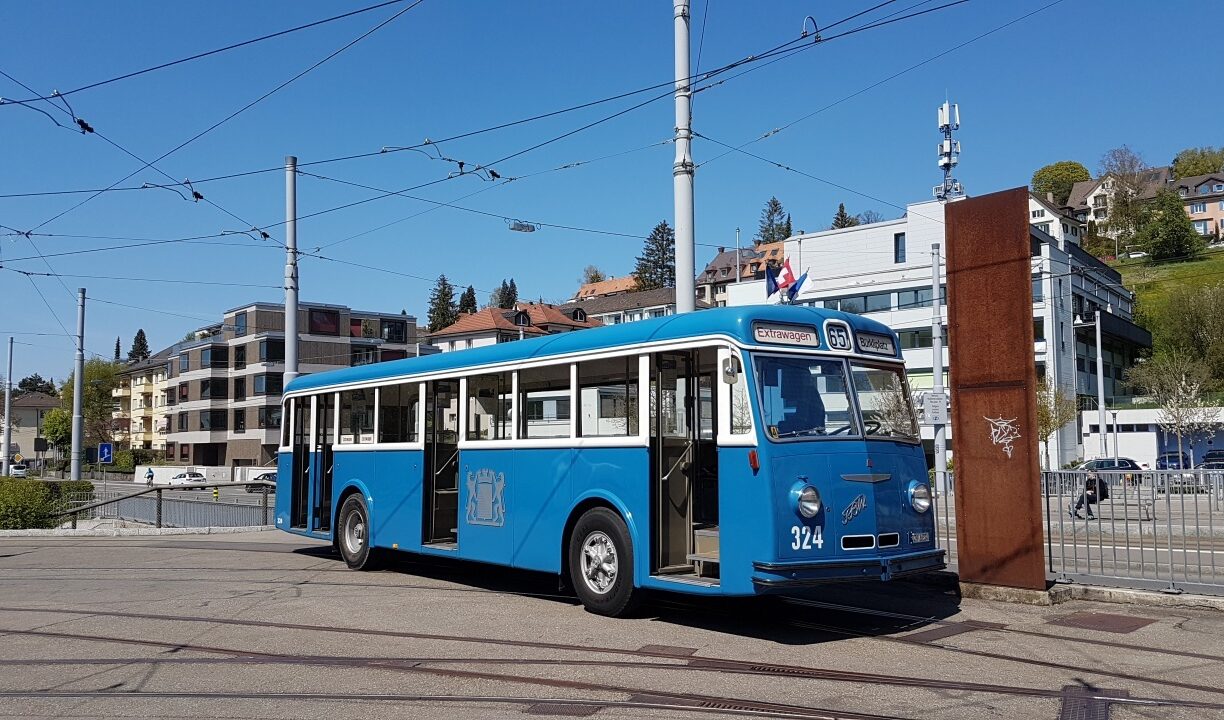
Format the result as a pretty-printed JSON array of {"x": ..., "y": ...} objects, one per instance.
[
  {"x": 601, "y": 563},
  {"x": 353, "y": 534}
]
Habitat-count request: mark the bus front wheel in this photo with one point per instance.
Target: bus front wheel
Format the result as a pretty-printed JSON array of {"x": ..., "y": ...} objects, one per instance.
[
  {"x": 353, "y": 534},
  {"x": 601, "y": 563}
]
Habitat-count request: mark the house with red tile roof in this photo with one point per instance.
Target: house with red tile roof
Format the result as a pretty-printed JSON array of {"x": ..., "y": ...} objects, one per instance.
[{"x": 491, "y": 325}]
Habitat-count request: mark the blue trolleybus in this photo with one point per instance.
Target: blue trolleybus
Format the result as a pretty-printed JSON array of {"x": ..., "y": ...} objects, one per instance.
[{"x": 732, "y": 451}]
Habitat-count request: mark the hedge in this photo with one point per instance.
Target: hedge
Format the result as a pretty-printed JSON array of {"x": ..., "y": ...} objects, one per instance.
[{"x": 28, "y": 504}]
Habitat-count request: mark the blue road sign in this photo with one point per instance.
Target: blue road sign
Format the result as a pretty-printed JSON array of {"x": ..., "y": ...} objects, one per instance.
[{"x": 106, "y": 454}]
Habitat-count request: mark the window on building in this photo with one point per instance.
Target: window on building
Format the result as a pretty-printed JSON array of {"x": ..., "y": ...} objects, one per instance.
[
  {"x": 182, "y": 422},
  {"x": 385, "y": 354},
  {"x": 1043, "y": 227},
  {"x": 214, "y": 357},
  {"x": 184, "y": 392},
  {"x": 1202, "y": 227},
  {"x": 397, "y": 410},
  {"x": 1198, "y": 207},
  {"x": 240, "y": 420},
  {"x": 1204, "y": 189},
  {"x": 184, "y": 362},
  {"x": 544, "y": 402},
  {"x": 212, "y": 388},
  {"x": 269, "y": 384},
  {"x": 876, "y": 302},
  {"x": 608, "y": 397},
  {"x": 1038, "y": 289},
  {"x": 357, "y": 416},
  {"x": 1038, "y": 329},
  {"x": 917, "y": 298},
  {"x": 1218, "y": 187},
  {"x": 270, "y": 417},
  {"x": 240, "y": 388},
  {"x": 240, "y": 324},
  {"x": 1100, "y": 201},
  {"x": 212, "y": 419},
  {"x": 1037, "y": 213},
  {"x": 239, "y": 357},
  {"x": 917, "y": 338},
  {"x": 488, "y": 407},
  {"x": 362, "y": 355},
  {"x": 323, "y": 322},
  {"x": 271, "y": 351},
  {"x": 395, "y": 331},
  {"x": 184, "y": 452},
  {"x": 898, "y": 247}
]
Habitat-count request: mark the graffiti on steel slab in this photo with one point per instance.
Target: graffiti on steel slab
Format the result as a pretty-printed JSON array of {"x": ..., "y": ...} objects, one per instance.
[
  {"x": 486, "y": 503},
  {"x": 1003, "y": 433}
]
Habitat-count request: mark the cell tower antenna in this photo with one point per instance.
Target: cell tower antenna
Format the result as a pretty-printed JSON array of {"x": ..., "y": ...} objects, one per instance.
[{"x": 949, "y": 153}]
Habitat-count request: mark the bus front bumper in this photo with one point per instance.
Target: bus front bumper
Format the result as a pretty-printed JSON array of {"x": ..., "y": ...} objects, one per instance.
[{"x": 771, "y": 575}]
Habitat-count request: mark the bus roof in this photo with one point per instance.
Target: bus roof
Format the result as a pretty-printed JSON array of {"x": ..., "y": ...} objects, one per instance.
[{"x": 735, "y": 322}]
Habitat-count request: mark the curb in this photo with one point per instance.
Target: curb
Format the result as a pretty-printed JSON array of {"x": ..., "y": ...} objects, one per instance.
[
  {"x": 1059, "y": 593},
  {"x": 131, "y": 532}
]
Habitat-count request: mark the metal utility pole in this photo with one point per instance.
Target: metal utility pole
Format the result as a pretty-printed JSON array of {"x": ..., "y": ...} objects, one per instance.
[
  {"x": 78, "y": 389},
  {"x": 682, "y": 169},
  {"x": 291, "y": 270},
  {"x": 937, "y": 387},
  {"x": 8, "y": 414},
  {"x": 1100, "y": 363},
  {"x": 738, "y": 261}
]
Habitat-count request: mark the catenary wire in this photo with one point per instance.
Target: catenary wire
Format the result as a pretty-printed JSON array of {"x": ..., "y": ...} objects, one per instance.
[{"x": 175, "y": 281}]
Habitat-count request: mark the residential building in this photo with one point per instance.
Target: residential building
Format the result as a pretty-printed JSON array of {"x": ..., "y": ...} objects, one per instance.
[
  {"x": 737, "y": 265},
  {"x": 610, "y": 286},
  {"x": 223, "y": 388},
  {"x": 491, "y": 325},
  {"x": 140, "y": 399},
  {"x": 1090, "y": 199},
  {"x": 1204, "y": 199},
  {"x": 628, "y": 307},
  {"x": 29, "y": 410},
  {"x": 884, "y": 270}
]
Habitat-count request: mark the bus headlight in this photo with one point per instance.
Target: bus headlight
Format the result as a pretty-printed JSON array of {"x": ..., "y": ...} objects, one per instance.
[
  {"x": 920, "y": 496},
  {"x": 808, "y": 501}
]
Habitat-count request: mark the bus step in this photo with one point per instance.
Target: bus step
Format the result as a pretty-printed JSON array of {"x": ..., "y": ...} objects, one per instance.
[
  {"x": 703, "y": 557},
  {"x": 705, "y": 541},
  {"x": 446, "y": 491}
]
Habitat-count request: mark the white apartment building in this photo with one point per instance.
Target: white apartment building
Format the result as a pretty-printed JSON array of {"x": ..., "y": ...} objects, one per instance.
[{"x": 883, "y": 270}]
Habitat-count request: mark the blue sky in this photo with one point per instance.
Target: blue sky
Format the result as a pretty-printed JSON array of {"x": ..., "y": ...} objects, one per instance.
[{"x": 1071, "y": 82}]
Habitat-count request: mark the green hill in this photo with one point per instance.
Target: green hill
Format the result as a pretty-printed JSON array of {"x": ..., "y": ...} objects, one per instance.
[{"x": 1152, "y": 282}]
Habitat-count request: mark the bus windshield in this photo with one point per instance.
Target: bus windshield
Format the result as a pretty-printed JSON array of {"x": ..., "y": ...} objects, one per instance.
[{"x": 807, "y": 396}]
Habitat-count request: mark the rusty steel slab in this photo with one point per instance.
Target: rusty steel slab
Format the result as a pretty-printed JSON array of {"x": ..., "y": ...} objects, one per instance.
[
  {"x": 993, "y": 379},
  {"x": 1104, "y": 622}
]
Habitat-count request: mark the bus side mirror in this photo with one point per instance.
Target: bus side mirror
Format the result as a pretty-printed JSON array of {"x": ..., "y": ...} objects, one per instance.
[{"x": 731, "y": 370}]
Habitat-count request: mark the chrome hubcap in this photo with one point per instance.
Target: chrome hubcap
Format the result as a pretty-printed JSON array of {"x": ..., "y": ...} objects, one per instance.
[
  {"x": 599, "y": 562},
  {"x": 354, "y": 534}
]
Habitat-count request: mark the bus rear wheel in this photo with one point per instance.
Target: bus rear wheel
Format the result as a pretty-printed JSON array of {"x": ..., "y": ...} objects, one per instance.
[
  {"x": 353, "y": 535},
  {"x": 601, "y": 563}
]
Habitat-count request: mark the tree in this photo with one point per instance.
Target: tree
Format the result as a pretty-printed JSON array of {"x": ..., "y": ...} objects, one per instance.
[
  {"x": 1095, "y": 243},
  {"x": 117, "y": 349},
  {"x": 656, "y": 266},
  {"x": 36, "y": 383},
  {"x": 1058, "y": 178},
  {"x": 101, "y": 377},
  {"x": 57, "y": 427},
  {"x": 868, "y": 217},
  {"x": 1126, "y": 170},
  {"x": 591, "y": 274},
  {"x": 1055, "y": 409},
  {"x": 140, "y": 347},
  {"x": 1175, "y": 381},
  {"x": 1190, "y": 321},
  {"x": 1198, "y": 161},
  {"x": 775, "y": 223},
  {"x": 1165, "y": 231},
  {"x": 510, "y": 299},
  {"x": 843, "y": 219},
  {"x": 442, "y": 310},
  {"x": 467, "y": 301}
]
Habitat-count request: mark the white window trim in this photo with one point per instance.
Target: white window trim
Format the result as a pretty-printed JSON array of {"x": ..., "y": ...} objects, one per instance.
[{"x": 724, "y": 437}]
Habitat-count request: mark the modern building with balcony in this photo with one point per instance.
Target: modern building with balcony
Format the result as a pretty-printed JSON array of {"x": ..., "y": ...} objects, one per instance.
[
  {"x": 884, "y": 270},
  {"x": 223, "y": 388},
  {"x": 140, "y": 398}
]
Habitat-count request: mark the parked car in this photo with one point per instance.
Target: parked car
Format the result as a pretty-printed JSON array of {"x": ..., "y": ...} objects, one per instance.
[
  {"x": 188, "y": 478},
  {"x": 1213, "y": 456},
  {"x": 18, "y": 471},
  {"x": 1172, "y": 461},
  {"x": 1127, "y": 468},
  {"x": 268, "y": 477}
]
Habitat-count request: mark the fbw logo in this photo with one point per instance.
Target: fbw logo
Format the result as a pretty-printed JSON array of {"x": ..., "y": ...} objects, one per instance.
[{"x": 486, "y": 503}]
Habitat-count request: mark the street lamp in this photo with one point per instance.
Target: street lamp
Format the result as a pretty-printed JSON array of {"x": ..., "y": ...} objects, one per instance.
[
  {"x": 1100, "y": 363},
  {"x": 1114, "y": 413}
]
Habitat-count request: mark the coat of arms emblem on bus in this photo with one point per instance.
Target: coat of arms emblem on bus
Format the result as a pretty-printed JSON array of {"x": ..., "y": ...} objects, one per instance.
[{"x": 485, "y": 503}]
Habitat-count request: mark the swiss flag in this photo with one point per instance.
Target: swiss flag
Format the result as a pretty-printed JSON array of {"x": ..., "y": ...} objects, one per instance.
[{"x": 786, "y": 276}]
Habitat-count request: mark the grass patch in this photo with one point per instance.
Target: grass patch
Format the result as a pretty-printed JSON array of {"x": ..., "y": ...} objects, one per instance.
[{"x": 1152, "y": 282}]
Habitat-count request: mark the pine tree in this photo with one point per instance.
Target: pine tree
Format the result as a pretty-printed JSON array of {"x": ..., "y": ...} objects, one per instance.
[
  {"x": 467, "y": 301},
  {"x": 775, "y": 223},
  {"x": 140, "y": 347},
  {"x": 117, "y": 348},
  {"x": 656, "y": 266},
  {"x": 510, "y": 298},
  {"x": 442, "y": 310},
  {"x": 843, "y": 219},
  {"x": 1166, "y": 232}
]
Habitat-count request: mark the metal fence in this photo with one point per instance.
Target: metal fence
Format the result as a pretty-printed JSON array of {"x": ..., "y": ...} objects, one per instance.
[
  {"x": 1158, "y": 530},
  {"x": 170, "y": 509}
]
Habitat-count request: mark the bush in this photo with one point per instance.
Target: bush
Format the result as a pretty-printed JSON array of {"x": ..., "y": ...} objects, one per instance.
[{"x": 25, "y": 504}]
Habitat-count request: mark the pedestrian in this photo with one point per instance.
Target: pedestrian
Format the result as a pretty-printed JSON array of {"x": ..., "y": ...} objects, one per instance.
[
  {"x": 1095, "y": 490},
  {"x": 149, "y": 476}
]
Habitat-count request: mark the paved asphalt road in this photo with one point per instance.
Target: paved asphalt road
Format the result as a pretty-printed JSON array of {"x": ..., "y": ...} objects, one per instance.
[{"x": 266, "y": 625}]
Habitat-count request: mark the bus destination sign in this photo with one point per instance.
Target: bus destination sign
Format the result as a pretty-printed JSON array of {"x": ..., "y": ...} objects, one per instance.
[
  {"x": 876, "y": 344},
  {"x": 803, "y": 335}
]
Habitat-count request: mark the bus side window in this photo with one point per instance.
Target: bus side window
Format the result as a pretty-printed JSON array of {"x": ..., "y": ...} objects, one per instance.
[
  {"x": 357, "y": 416},
  {"x": 488, "y": 399},
  {"x": 544, "y": 402},
  {"x": 608, "y": 397},
  {"x": 397, "y": 408},
  {"x": 741, "y": 406}
]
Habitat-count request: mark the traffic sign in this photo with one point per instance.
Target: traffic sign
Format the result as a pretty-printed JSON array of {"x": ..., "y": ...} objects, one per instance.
[
  {"x": 106, "y": 453},
  {"x": 18, "y": 457}
]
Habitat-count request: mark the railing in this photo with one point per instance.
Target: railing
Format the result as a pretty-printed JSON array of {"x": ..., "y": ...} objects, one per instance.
[
  {"x": 1157, "y": 530},
  {"x": 165, "y": 507}
]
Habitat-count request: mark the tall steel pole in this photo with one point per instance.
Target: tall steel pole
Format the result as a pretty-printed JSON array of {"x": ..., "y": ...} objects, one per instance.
[
  {"x": 1100, "y": 363},
  {"x": 738, "y": 260},
  {"x": 937, "y": 387},
  {"x": 291, "y": 270},
  {"x": 8, "y": 414},
  {"x": 78, "y": 389},
  {"x": 682, "y": 169}
]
